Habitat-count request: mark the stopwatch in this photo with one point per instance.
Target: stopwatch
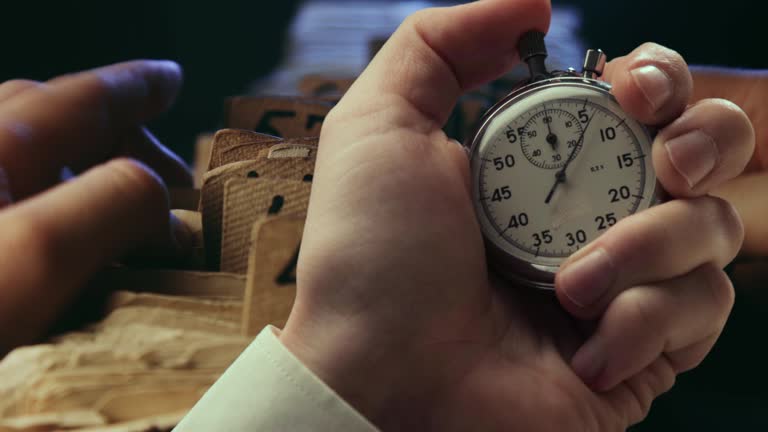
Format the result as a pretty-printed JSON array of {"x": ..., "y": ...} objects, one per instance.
[{"x": 554, "y": 165}]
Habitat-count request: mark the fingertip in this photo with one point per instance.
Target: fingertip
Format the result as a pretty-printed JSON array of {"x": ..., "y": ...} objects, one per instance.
[
  {"x": 133, "y": 91},
  {"x": 585, "y": 283},
  {"x": 157, "y": 81},
  {"x": 653, "y": 83},
  {"x": 165, "y": 78},
  {"x": 589, "y": 363},
  {"x": 711, "y": 143}
]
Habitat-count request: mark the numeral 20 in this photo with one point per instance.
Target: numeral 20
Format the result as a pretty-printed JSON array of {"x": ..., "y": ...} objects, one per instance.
[{"x": 619, "y": 194}]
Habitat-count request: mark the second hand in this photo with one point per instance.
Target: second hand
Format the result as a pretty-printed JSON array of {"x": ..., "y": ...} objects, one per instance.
[{"x": 560, "y": 175}]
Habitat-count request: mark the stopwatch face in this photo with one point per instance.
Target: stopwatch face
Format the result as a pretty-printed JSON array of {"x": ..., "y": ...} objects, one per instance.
[{"x": 553, "y": 168}]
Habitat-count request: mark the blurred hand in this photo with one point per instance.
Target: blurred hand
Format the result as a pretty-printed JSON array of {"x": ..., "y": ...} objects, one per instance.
[
  {"x": 395, "y": 308},
  {"x": 55, "y": 235}
]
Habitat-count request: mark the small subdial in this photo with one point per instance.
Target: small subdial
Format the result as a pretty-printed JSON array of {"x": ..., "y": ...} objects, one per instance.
[{"x": 548, "y": 138}]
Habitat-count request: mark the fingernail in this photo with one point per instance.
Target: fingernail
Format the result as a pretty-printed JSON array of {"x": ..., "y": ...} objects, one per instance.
[
  {"x": 694, "y": 155},
  {"x": 587, "y": 279},
  {"x": 655, "y": 85},
  {"x": 589, "y": 362}
]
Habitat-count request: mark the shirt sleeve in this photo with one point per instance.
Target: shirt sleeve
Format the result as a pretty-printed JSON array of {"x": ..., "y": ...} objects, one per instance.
[{"x": 268, "y": 389}]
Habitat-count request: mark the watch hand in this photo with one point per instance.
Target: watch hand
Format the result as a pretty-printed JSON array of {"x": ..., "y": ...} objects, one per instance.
[
  {"x": 560, "y": 175},
  {"x": 551, "y": 138},
  {"x": 559, "y": 178}
]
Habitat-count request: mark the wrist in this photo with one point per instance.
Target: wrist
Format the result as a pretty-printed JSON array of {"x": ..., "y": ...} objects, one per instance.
[{"x": 343, "y": 357}]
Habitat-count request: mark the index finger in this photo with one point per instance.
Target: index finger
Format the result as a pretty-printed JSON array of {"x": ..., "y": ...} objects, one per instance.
[
  {"x": 75, "y": 120},
  {"x": 652, "y": 83}
]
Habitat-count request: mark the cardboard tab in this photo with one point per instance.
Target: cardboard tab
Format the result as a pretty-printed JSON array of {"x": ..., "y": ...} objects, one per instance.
[
  {"x": 271, "y": 282},
  {"x": 247, "y": 201},
  {"x": 279, "y": 116},
  {"x": 248, "y": 151},
  {"x": 227, "y": 139},
  {"x": 212, "y": 200}
]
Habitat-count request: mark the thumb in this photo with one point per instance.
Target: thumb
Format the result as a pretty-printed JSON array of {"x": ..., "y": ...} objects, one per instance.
[
  {"x": 52, "y": 244},
  {"x": 748, "y": 90}
]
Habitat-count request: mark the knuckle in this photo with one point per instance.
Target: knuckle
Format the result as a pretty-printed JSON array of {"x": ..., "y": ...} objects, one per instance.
[
  {"x": 19, "y": 85},
  {"x": 720, "y": 290},
  {"x": 669, "y": 61},
  {"x": 686, "y": 359},
  {"x": 660, "y": 54},
  {"x": 416, "y": 19},
  {"x": 635, "y": 238},
  {"x": 727, "y": 108},
  {"x": 725, "y": 113},
  {"x": 729, "y": 226},
  {"x": 644, "y": 314},
  {"x": 686, "y": 365},
  {"x": 736, "y": 123}
]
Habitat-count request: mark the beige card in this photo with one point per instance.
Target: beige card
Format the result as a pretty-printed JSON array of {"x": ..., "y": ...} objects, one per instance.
[
  {"x": 203, "y": 147},
  {"x": 290, "y": 149},
  {"x": 248, "y": 200},
  {"x": 248, "y": 151},
  {"x": 212, "y": 200},
  {"x": 227, "y": 139},
  {"x": 279, "y": 116},
  {"x": 271, "y": 283}
]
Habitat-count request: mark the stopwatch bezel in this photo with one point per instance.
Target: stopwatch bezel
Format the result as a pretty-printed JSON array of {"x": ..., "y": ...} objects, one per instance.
[{"x": 507, "y": 265}]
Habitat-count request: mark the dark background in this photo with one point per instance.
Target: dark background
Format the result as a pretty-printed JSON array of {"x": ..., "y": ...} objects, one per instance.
[
  {"x": 223, "y": 45},
  {"x": 226, "y": 44}
]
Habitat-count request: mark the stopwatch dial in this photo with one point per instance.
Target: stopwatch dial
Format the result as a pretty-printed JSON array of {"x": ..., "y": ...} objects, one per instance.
[
  {"x": 544, "y": 215},
  {"x": 549, "y": 136}
]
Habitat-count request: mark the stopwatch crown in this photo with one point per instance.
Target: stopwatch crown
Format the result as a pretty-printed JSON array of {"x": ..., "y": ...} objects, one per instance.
[
  {"x": 594, "y": 63},
  {"x": 533, "y": 51}
]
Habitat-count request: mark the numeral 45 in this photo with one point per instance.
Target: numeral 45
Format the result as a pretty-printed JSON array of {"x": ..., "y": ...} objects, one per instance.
[{"x": 501, "y": 194}]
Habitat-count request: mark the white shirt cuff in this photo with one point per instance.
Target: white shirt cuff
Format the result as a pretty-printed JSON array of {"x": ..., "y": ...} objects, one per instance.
[{"x": 268, "y": 389}]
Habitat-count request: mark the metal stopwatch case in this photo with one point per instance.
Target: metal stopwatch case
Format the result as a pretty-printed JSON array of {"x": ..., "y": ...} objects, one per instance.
[{"x": 554, "y": 165}]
